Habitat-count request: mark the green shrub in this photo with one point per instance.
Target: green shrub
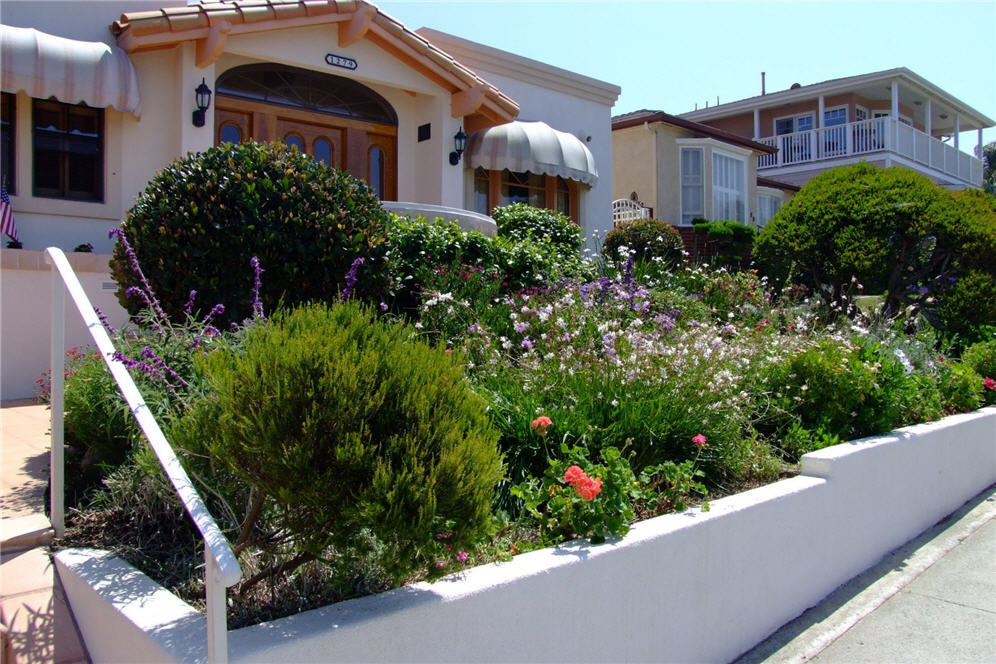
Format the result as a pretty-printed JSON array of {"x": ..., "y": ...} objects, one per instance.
[
  {"x": 353, "y": 434},
  {"x": 647, "y": 239},
  {"x": 730, "y": 240},
  {"x": 520, "y": 221},
  {"x": 201, "y": 219},
  {"x": 960, "y": 387},
  {"x": 418, "y": 249},
  {"x": 981, "y": 357},
  {"x": 832, "y": 388}
]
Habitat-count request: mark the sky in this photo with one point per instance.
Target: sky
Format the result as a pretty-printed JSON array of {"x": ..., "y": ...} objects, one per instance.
[{"x": 670, "y": 55}]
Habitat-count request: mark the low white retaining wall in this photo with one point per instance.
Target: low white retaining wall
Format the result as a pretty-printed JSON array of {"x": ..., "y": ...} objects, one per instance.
[
  {"x": 695, "y": 586},
  {"x": 26, "y": 313}
]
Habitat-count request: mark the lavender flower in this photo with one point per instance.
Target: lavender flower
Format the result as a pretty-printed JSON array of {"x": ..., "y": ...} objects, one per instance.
[
  {"x": 351, "y": 279},
  {"x": 257, "y": 285},
  {"x": 189, "y": 307},
  {"x": 103, "y": 320},
  {"x": 148, "y": 295}
]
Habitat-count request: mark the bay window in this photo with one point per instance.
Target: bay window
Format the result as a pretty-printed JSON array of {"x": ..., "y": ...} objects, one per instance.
[
  {"x": 729, "y": 187},
  {"x": 692, "y": 185}
]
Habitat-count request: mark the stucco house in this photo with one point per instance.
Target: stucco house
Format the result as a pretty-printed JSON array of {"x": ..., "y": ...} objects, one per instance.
[
  {"x": 888, "y": 118},
  {"x": 96, "y": 97},
  {"x": 682, "y": 170}
]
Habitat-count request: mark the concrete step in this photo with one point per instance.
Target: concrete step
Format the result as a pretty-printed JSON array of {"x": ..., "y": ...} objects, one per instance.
[{"x": 25, "y": 532}]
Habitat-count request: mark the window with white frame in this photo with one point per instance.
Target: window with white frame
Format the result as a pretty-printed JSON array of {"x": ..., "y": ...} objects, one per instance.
[
  {"x": 768, "y": 204},
  {"x": 835, "y": 116},
  {"x": 692, "y": 185},
  {"x": 729, "y": 187},
  {"x": 791, "y": 124}
]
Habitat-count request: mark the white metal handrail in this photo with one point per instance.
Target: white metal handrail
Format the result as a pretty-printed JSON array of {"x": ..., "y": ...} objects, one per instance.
[{"x": 221, "y": 568}]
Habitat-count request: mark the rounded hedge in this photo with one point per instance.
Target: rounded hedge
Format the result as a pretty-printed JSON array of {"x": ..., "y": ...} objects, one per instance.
[
  {"x": 647, "y": 239},
  {"x": 520, "y": 221},
  {"x": 202, "y": 218},
  {"x": 350, "y": 428}
]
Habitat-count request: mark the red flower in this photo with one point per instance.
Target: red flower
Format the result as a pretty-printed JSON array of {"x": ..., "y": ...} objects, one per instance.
[
  {"x": 541, "y": 423},
  {"x": 990, "y": 383},
  {"x": 574, "y": 475},
  {"x": 589, "y": 487}
]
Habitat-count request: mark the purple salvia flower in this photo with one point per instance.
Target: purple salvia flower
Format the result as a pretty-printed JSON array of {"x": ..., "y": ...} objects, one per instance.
[
  {"x": 150, "y": 296},
  {"x": 351, "y": 279},
  {"x": 216, "y": 310},
  {"x": 160, "y": 363},
  {"x": 189, "y": 307},
  {"x": 257, "y": 285},
  {"x": 103, "y": 320}
]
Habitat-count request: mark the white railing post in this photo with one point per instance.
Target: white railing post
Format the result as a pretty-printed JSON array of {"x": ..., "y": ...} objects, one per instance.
[
  {"x": 56, "y": 400},
  {"x": 217, "y": 621}
]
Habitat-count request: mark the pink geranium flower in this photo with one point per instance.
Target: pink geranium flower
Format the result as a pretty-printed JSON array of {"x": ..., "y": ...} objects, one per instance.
[
  {"x": 699, "y": 440},
  {"x": 990, "y": 383},
  {"x": 540, "y": 424}
]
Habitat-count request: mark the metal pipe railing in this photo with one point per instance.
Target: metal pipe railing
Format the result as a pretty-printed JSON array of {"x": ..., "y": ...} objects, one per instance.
[{"x": 221, "y": 569}]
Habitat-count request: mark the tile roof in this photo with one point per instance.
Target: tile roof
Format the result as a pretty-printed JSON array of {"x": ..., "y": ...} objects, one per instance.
[
  {"x": 163, "y": 28},
  {"x": 639, "y": 117}
]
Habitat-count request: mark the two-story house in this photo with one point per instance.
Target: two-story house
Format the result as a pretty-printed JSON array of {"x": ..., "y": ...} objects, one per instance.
[{"x": 888, "y": 118}]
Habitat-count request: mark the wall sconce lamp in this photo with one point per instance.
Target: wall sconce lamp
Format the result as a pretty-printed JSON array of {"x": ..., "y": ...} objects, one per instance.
[
  {"x": 460, "y": 144},
  {"x": 202, "y": 94}
]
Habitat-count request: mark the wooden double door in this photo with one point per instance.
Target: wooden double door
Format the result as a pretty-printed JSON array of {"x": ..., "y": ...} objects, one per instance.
[{"x": 367, "y": 150}]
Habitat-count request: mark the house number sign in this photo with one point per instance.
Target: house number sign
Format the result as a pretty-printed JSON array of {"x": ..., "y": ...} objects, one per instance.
[{"x": 340, "y": 61}]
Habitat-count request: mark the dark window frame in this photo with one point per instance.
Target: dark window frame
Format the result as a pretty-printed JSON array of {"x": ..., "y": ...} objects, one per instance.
[
  {"x": 67, "y": 152},
  {"x": 8, "y": 141}
]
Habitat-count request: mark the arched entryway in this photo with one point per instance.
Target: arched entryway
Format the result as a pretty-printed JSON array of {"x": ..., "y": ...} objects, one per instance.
[{"x": 337, "y": 120}]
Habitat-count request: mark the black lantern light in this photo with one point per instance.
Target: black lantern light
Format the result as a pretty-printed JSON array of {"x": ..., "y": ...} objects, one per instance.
[
  {"x": 202, "y": 94},
  {"x": 460, "y": 144}
]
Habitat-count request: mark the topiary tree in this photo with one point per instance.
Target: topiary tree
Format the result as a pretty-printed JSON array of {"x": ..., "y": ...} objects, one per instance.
[
  {"x": 520, "y": 222},
  {"x": 894, "y": 231},
  {"x": 201, "y": 219},
  {"x": 352, "y": 435},
  {"x": 647, "y": 239}
]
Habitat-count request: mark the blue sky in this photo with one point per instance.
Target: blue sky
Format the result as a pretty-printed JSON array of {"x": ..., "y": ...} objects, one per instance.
[{"x": 672, "y": 55}]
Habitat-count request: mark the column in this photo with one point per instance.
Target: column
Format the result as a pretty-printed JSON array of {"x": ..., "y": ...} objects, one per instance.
[{"x": 757, "y": 124}]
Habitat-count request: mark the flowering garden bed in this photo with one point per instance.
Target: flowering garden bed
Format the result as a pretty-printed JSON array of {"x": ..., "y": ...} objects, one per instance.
[{"x": 453, "y": 399}]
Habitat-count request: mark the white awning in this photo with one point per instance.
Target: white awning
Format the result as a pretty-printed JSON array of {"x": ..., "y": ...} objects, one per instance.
[
  {"x": 531, "y": 146},
  {"x": 43, "y": 66}
]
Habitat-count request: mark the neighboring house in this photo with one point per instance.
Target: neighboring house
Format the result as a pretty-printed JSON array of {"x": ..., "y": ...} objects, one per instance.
[
  {"x": 99, "y": 96},
  {"x": 685, "y": 170},
  {"x": 887, "y": 118}
]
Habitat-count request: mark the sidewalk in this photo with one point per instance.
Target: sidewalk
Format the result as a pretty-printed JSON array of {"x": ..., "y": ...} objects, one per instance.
[
  {"x": 38, "y": 625},
  {"x": 931, "y": 600}
]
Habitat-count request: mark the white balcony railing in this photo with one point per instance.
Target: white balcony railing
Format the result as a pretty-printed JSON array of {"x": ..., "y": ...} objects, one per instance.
[{"x": 868, "y": 136}]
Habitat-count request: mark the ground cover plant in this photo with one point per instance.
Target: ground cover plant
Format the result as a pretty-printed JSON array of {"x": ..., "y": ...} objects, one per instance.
[{"x": 498, "y": 395}]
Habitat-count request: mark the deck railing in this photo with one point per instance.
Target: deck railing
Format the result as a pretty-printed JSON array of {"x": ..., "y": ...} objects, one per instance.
[
  {"x": 869, "y": 136},
  {"x": 221, "y": 568}
]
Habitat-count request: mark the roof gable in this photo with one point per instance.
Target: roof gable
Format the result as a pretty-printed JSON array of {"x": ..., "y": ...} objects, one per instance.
[{"x": 210, "y": 24}]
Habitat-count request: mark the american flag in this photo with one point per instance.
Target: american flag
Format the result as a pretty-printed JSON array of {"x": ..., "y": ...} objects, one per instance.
[{"x": 7, "y": 214}]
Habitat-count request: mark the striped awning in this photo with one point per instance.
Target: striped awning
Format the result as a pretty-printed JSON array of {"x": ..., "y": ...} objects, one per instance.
[
  {"x": 531, "y": 146},
  {"x": 44, "y": 65}
]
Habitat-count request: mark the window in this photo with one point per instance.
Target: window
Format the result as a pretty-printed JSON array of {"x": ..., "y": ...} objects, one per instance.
[
  {"x": 860, "y": 113},
  {"x": 68, "y": 151},
  {"x": 231, "y": 133},
  {"x": 729, "y": 187},
  {"x": 767, "y": 206},
  {"x": 793, "y": 123},
  {"x": 884, "y": 114},
  {"x": 8, "y": 105},
  {"x": 376, "y": 180},
  {"x": 692, "y": 185},
  {"x": 835, "y": 116},
  {"x": 497, "y": 188}
]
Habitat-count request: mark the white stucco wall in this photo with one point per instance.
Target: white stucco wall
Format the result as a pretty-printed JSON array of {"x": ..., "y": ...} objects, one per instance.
[
  {"x": 26, "y": 314},
  {"x": 688, "y": 587}
]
